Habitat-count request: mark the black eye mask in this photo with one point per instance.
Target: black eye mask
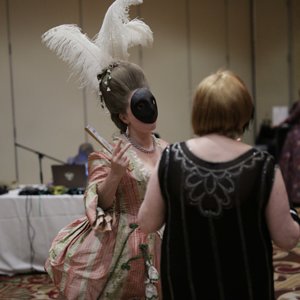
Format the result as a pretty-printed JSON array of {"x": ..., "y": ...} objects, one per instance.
[{"x": 143, "y": 106}]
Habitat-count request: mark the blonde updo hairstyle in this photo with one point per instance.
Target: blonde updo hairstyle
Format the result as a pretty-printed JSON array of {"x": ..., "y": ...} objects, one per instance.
[
  {"x": 223, "y": 105},
  {"x": 117, "y": 83}
]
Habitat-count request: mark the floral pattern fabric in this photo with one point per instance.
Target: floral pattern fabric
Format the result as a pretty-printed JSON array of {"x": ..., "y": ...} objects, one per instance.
[{"x": 104, "y": 255}]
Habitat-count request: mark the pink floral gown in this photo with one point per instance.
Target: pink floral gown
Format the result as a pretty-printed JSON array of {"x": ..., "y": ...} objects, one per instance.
[{"x": 103, "y": 255}]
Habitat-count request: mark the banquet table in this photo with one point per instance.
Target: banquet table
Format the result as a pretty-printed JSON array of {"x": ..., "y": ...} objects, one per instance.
[{"x": 28, "y": 224}]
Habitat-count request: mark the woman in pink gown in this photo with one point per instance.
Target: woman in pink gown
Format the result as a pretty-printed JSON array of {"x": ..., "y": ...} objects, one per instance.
[{"x": 104, "y": 255}]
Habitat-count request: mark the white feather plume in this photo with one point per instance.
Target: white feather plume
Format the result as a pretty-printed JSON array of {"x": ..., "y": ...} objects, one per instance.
[
  {"x": 75, "y": 48},
  {"x": 138, "y": 33},
  {"x": 87, "y": 57}
]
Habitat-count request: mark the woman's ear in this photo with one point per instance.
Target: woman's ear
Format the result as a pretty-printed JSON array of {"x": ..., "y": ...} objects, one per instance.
[{"x": 123, "y": 118}]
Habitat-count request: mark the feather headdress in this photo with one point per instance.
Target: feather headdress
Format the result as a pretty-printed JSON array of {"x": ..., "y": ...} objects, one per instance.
[{"x": 88, "y": 57}]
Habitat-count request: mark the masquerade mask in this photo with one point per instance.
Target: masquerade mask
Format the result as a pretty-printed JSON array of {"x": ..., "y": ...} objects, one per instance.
[{"x": 143, "y": 106}]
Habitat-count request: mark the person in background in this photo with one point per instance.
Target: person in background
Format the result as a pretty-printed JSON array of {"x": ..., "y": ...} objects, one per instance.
[
  {"x": 290, "y": 154},
  {"x": 104, "y": 255},
  {"x": 222, "y": 202},
  {"x": 81, "y": 158}
]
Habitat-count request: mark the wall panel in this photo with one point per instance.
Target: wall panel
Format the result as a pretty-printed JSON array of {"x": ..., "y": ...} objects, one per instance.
[
  {"x": 48, "y": 106},
  {"x": 208, "y": 38},
  {"x": 239, "y": 47},
  {"x": 296, "y": 49},
  {"x": 271, "y": 54},
  {"x": 165, "y": 64},
  {"x": 7, "y": 158}
]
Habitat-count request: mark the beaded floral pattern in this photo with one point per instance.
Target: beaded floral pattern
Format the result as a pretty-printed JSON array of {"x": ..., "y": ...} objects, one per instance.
[{"x": 217, "y": 185}]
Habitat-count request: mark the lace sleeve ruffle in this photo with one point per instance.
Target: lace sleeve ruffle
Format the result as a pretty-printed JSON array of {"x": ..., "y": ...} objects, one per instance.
[{"x": 100, "y": 220}]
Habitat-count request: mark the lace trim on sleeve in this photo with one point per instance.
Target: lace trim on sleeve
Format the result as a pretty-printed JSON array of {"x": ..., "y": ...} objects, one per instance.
[{"x": 99, "y": 219}]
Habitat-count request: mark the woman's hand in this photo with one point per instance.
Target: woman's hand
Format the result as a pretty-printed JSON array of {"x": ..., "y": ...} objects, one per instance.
[{"x": 119, "y": 161}]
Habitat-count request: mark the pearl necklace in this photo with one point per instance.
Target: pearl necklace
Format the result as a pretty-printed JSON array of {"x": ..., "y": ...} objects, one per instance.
[{"x": 139, "y": 147}]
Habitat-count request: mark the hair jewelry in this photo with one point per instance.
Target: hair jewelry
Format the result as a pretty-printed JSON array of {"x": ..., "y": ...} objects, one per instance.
[{"x": 105, "y": 77}]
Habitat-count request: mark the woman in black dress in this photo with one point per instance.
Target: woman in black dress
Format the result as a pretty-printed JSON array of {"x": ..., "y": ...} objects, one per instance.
[{"x": 222, "y": 201}]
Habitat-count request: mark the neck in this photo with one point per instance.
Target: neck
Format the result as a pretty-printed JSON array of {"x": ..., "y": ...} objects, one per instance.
[
  {"x": 214, "y": 136},
  {"x": 143, "y": 142}
]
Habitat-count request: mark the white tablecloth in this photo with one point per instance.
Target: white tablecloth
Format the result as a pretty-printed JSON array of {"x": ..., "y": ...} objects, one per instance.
[{"x": 28, "y": 225}]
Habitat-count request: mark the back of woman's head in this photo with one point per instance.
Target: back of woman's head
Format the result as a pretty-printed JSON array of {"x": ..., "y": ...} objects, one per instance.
[
  {"x": 222, "y": 104},
  {"x": 116, "y": 84}
]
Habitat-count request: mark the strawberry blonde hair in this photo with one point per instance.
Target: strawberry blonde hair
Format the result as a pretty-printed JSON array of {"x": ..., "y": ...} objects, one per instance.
[{"x": 222, "y": 104}]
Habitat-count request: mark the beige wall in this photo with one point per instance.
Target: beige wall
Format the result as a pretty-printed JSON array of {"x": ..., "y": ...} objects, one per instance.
[
  {"x": 296, "y": 47},
  {"x": 192, "y": 38},
  {"x": 7, "y": 164}
]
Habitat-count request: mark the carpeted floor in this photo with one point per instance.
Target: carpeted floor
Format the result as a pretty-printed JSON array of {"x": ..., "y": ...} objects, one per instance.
[
  {"x": 27, "y": 286},
  {"x": 287, "y": 273},
  {"x": 39, "y": 286}
]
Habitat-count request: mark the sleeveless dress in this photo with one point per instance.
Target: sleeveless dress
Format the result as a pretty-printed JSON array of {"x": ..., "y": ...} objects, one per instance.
[
  {"x": 216, "y": 243},
  {"x": 104, "y": 255}
]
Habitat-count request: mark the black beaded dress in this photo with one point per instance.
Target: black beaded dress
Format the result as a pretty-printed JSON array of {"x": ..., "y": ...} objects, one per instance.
[{"x": 216, "y": 243}]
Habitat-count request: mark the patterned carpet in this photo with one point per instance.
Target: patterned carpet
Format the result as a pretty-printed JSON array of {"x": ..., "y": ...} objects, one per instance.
[
  {"x": 39, "y": 286},
  {"x": 287, "y": 273},
  {"x": 27, "y": 286}
]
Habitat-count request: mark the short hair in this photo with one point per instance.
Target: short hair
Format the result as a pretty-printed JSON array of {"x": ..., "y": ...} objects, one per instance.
[
  {"x": 125, "y": 77},
  {"x": 222, "y": 104},
  {"x": 85, "y": 148}
]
